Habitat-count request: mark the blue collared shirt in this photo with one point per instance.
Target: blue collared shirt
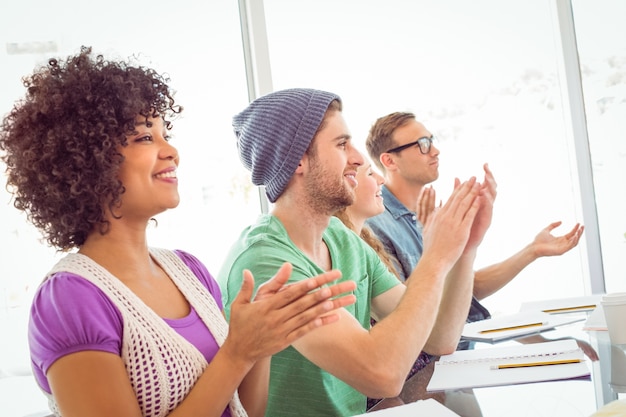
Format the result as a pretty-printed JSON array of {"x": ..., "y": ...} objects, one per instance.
[{"x": 400, "y": 233}]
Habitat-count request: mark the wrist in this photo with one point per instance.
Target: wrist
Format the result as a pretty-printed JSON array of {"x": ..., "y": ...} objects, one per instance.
[
  {"x": 469, "y": 254},
  {"x": 238, "y": 360},
  {"x": 531, "y": 252}
]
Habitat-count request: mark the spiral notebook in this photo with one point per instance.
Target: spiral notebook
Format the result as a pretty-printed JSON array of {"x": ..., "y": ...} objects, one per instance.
[
  {"x": 516, "y": 325},
  {"x": 509, "y": 365}
]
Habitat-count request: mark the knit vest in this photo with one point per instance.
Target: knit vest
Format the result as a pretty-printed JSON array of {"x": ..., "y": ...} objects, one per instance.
[{"x": 162, "y": 366}]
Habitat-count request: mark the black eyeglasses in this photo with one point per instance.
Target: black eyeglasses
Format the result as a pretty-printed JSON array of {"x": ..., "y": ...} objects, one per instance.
[{"x": 423, "y": 143}]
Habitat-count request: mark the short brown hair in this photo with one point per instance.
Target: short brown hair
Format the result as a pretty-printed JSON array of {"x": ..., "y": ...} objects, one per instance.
[{"x": 380, "y": 137}]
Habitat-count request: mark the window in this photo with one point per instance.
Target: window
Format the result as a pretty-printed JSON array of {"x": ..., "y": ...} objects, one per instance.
[
  {"x": 601, "y": 41},
  {"x": 199, "y": 45},
  {"x": 483, "y": 77}
]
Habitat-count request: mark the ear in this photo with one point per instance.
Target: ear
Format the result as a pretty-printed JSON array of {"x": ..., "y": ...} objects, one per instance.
[
  {"x": 302, "y": 164},
  {"x": 388, "y": 162}
]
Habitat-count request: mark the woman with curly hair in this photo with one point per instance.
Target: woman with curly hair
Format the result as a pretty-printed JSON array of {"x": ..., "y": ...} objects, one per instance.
[{"x": 119, "y": 328}]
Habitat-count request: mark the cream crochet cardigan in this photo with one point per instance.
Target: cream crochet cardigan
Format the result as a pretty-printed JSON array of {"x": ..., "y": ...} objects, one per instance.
[{"x": 162, "y": 366}]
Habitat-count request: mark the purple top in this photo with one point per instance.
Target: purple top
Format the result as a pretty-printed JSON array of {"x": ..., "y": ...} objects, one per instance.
[{"x": 70, "y": 314}]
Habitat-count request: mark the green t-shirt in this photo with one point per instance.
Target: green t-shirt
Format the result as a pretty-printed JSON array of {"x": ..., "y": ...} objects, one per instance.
[{"x": 297, "y": 386}]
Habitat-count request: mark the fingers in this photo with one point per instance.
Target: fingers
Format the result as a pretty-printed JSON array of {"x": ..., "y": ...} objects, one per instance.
[
  {"x": 572, "y": 236},
  {"x": 463, "y": 197},
  {"x": 273, "y": 321},
  {"x": 577, "y": 234},
  {"x": 291, "y": 292},
  {"x": 489, "y": 184},
  {"x": 422, "y": 196},
  {"x": 449, "y": 227},
  {"x": 322, "y": 279},
  {"x": 572, "y": 233},
  {"x": 318, "y": 316},
  {"x": 324, "y": 306},
  {"x": 278, "y": 281},
  {"x": 431, "y": 199},
  {"x": 316, "y": 309},
  {"x": 471, "y": 213},
  {"x": 548, "y": 245},
  {"x": 346, "y": 288},
  {"x": 247, "y": 288},
  {"x": 488, "y": 174},
  {"x": 343, "y": 301},
  {"x": 576, "y": 230},
  {"x": 458, "y": 205},
  {"x": 554, "y": 225},
  {"x": 426, "y": 203},
  {"x": 324, "y": 298},
  {"x": 312, "y": 290}
]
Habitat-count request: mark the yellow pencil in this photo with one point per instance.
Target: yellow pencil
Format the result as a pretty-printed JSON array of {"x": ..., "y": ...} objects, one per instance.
[
  {"x": 521, "y": 326},
  {"x": 556, "y": 310},
  {"x": 529, "y": 364}
]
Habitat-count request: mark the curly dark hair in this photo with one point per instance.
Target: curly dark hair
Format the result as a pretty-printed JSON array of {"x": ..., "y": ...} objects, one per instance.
[{"x": 61, "y": 142}]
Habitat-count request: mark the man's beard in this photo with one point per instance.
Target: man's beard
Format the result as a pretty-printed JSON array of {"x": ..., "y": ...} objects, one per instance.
[{"x": 327, "y": 195}]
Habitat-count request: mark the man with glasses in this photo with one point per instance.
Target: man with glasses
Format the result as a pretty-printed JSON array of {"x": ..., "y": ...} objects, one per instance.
[{"x": 405, "y": 151}]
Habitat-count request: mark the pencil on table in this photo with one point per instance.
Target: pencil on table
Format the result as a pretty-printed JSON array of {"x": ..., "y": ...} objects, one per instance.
[
  {"x": 521, "y": 326},
  {"x": 530, "y": 364}
]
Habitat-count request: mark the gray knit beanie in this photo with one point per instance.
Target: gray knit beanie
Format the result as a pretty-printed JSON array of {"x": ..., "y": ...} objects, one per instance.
[{"x": 274, "y": 132}]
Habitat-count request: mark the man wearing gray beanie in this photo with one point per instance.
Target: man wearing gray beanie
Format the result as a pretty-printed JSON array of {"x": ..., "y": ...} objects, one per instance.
[
  {"x": 274, "y": 132},
  {"x": 296, "y": 143}
]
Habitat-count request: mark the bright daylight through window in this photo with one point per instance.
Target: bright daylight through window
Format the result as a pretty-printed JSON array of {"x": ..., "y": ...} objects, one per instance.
[{"x": 483, "y": 75}]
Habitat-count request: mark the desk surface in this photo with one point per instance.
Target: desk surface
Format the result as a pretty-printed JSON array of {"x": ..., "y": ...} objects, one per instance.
[{"x": 554, "y": 399}]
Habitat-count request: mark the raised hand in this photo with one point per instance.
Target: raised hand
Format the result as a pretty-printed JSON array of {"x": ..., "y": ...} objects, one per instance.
[
  {"x": 483, "y": 217},
  {"x": 447, "y": 228},
  {"x": 280, "y": 314},
  {"x": 545, "y": 244},
  {"x": 425, "y": 204}
]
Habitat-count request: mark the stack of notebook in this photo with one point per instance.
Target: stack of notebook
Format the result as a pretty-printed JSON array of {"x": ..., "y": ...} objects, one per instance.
[{"x": 519, "y": 364}]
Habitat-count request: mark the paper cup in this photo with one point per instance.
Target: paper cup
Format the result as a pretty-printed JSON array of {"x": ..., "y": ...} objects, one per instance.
[
  {"x": 614, "y": 306},
  {"x": 618, "y": 368}
]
